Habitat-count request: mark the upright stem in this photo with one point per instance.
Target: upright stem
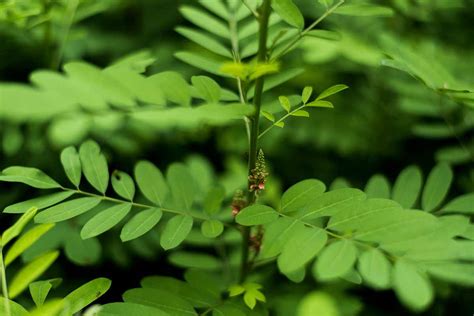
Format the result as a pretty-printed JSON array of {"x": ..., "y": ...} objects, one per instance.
[
  {"x": 3, "y": 276},
  {"x": 254, "y": 122}
]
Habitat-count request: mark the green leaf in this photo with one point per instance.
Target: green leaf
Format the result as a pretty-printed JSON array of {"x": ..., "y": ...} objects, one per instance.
[
  {"x": 175, "y": 88},
  {"x": 462, "y": 204},
  {"x": 455, "y": 272},
  {"x": 436, "y": 187},
  {"x": 206, "y": 63},
  {"x": 407, "y": 186},
  {"x": 182, "y": 185},
  {"x": 15, "y": 308},
  {"x": 39, "y": 290},
  {"x": 205, "y": 21},
  {"x": 412, "y": 288},
  {"x": 30, "y": 176},
  {"x": 31, "y": 272},
  {"x": 364, "y": 10},
  {"x": 280, "y": 124},
  {"x": 330, "y": 203},
  {"x": 197, "y": 296},
  {"x": 378, "y": 187},
  {"x": 320, "y": 104},
  {"x": 67, "y": 210},
  {"x": 269, "y": 116},
  {"x": 277, "y": 234},
  {"x": 273, "y": 81},
  {"x": 39, "y": 202},
  {"x": 375, "y": 269},
  {"x": 306, "y": 94},
  {"x": 212, "y": 228},
  {"x": 285, "y": 103},
  {"x": 207, "y": 88},
  {"x": 86, "y": 294},
  {"x": 325, "y": 35},
  {"x": 123, "y": 184},
  {"x": 300, "y": 194},
  {"x": 176, "y": 230},
  {"x": 161, "y": 299},
  {"x": 51, "y": 307},
  {"x": 71, "y": 164},
  {"x": 289, "y": 12},
  {"x": 194, "y": 260},
  {"x": 303, "y": 246},
  {"x": 130, "y": 309},
  {"x": 25, "y": 241},
  {"x": 151, "y": 182},
  {"x": 256, "y": 214},
  {"x": 94, "y": 165},
  {"x": 300, "y": 113},
  {"x": 140, "y": 224},
  {"x": 335, "y": 260},
  {"x": 213, "y": 200},
  {"x": 331, "y": 90},
  {"x": 82, "y": 252},
  {"x": 105, "y": 220},
  {"x": 18, "y": 226},
  {"x": 205, "y": 41}
]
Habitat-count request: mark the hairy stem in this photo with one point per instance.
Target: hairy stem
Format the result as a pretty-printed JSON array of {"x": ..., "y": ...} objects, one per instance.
[
  {"x": 254, "y": 122},
  {"x": 3, "y": 276}
]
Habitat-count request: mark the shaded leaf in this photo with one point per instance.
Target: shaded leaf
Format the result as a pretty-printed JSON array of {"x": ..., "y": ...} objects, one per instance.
[{"x": 176, "y": 231}]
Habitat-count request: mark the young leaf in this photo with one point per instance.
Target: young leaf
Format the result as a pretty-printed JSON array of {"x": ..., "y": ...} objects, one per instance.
[
  {"x": 289, "y": 12},
  {"x": 335, "y": 260},
  {"x": 94, "y": 165},
  {"x": 67, "y": 210},
  {"x": 269, "y": 116},
  {"x": 280, "y": 124},
  {"x": 331, "y": 90},
  {"x": 256, "y": 215},
  {"x": 29, "y": 176},
  {"x": 207, "y": 88},
  {"x": 412, "y": 288},
  {"x": 212, "y": 228},
  {"x": 39, "y": 202},
  {"x": 407, "y": 186},
  {"x": 462, "y": 204},
  {"x": 298, "y": 195},
  {"x": 123, "y": 184},
  {"x": 140, "y": 224},
  {"x": 86, "y": 294},
  {"x": 18, "y": 226},
  {"x": 71, "y": 164},
  {"x": 303, "y": 246},
  {"x": 285, "y": 103},
  {"x": 130, "y": 309},
  {"x": 320, "y": 104},
  {"x": 176, "y": 230},
  {"x": 182, "y": 185},
  {"x": 105, "y": 220},
  {"x": 375, "y": 268},
  {"x": 151, "y": 182},
  {"x": 306, "y": 94},
  {"x": 25, "y": 241},
  {"x": 51, "y": 307},
  {"x": 171, "y": 303},
  {"x": 436, "y": 187},
  {"x": 31, "y": 272},
  {"x": 39, "y": 290},
  {"x": 300, "y": 113},
  {"x": 378, "y": 187}
]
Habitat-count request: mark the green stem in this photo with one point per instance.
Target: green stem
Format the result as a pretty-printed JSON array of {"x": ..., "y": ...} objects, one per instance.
[
  {"x": 254, "y": 124},
  {"x": 306, "y": 30},
  {"x": 281, "y": 120},
  {"x": 68, "y": 21},
  {"x": 3, "y": 276}
]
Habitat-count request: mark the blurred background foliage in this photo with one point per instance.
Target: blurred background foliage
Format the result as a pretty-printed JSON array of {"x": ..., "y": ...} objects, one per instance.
[{"x": 409, "y": 75}]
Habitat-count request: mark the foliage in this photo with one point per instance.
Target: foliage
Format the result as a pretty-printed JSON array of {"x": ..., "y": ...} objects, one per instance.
[{"x": 220, "y": 237}]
